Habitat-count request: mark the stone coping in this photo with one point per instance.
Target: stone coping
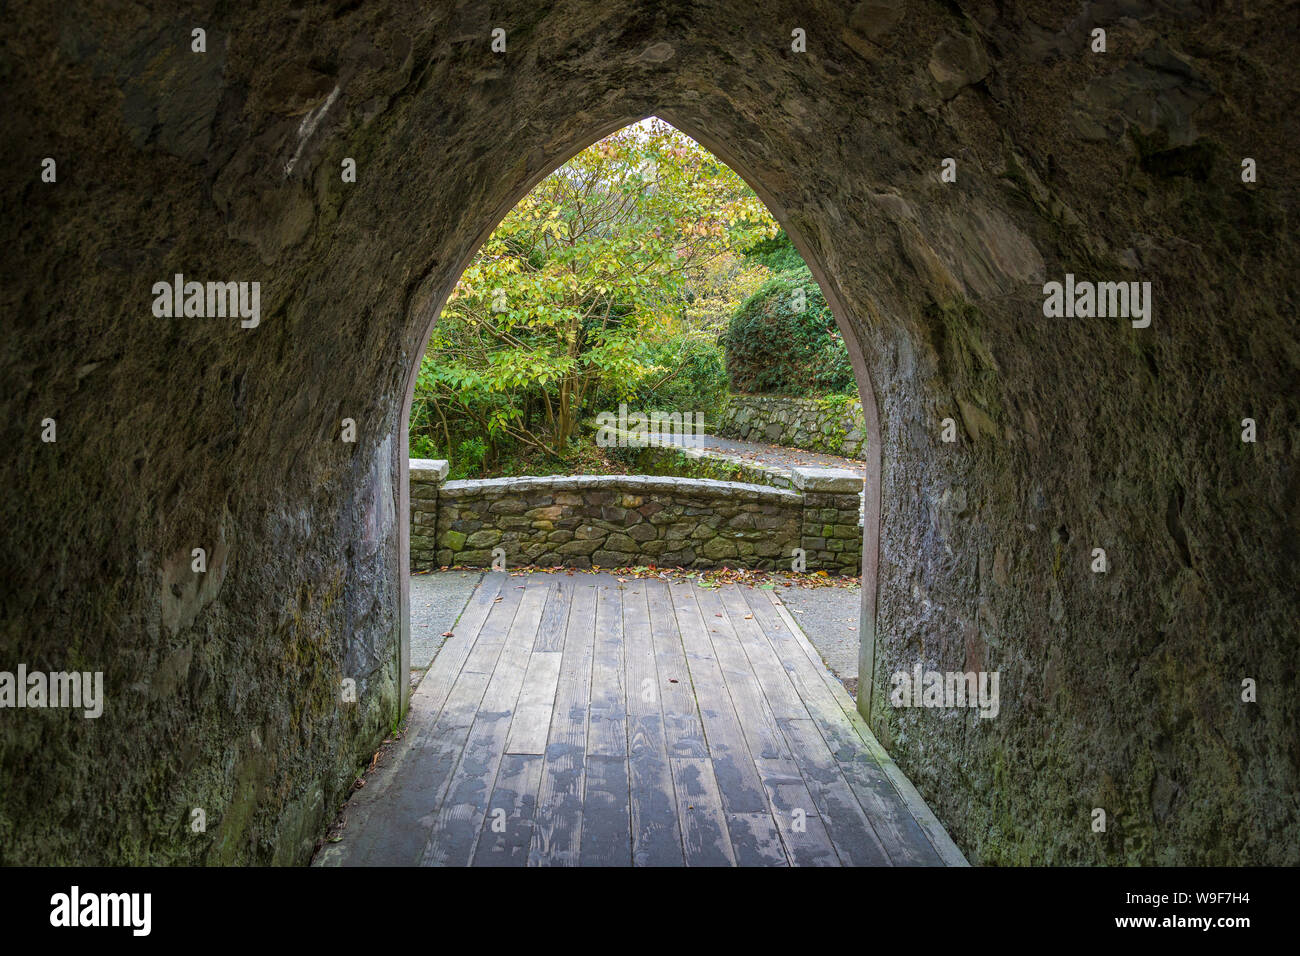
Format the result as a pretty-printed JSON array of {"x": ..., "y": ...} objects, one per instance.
[
  {"x": 707, "y": 487},
  {"x": 827, "y": 479},
  {"x": 803, "y": 477},
  {"x": 429, "y": 469}
]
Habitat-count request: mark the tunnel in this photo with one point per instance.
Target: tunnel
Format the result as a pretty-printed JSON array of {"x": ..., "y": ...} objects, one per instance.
[{"x": 1099, "y": 502}]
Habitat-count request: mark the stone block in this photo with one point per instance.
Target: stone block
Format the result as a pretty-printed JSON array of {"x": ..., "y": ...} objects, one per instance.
[
  {"x": 826, "y": 479},
  {"x": 717, "y": 549},
  {"x": 483, "y": 539},
  {"x": 427, "y": 470},
  {"x": 580, "y": 547}
]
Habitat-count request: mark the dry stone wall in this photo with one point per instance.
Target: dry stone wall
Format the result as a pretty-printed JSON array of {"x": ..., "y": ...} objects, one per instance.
[
  {"x": 816, "y": 424},
  {"x": 687, "y": 462},
  {"x": 585, "y": 521},
  {"x": 427, "y": 477}
]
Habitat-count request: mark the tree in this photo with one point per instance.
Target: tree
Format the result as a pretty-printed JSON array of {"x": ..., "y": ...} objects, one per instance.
[{"x": 602, "y": 256}]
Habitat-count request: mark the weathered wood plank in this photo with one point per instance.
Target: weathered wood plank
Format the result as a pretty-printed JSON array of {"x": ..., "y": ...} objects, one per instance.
[
  {"x": 462, "y": 703},
  {"x": 738, "y": 779},
  {"x": 762, "y": 734},
  {"x": 798, "y": 822},
  {"x": 642, "y": 683},
  {"x": 606, "y": 813},
  {"x": 779, "y": 691},
  {"x": 450, "y": 658},
  {"x": 410, "y": 810},
  {"x": 530, "y": 748},
  {"x": 607, "y": 722},
  {"x": 656, "y": 835},
  {"x": 756, "y": 840},
  {"x": 915, "y": 804},
  {"x": 507, "y": 833},
  {"x": 381, "y": 839},
  {"x": 904, "y": 839},
  {"x": 851, "y": 833},
  {"x": 459, "y": 819},
  {"x": 532, "y": 719},
  {"x": 492, "y": 635},
  {"x": 682, "y": 729},
  {"x": 699, "y": 807},
  {"x": 557, "y": 833},
  {"x": 550, "y": 635}
]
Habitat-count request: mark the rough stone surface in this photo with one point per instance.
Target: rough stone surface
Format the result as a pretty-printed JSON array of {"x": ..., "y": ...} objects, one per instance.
[
  {"x": 816, "y": 424},
  {"x": 839, "y": 480},
  {"x": 620, "y": 521},
  {"x": 1120, "y": 690},
  {"x": 685, "y": 461},
  {"x": 426, "y": 478}
]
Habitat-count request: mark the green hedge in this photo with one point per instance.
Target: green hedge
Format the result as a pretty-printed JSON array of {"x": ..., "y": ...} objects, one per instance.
[{"x": 775, "y": 347}]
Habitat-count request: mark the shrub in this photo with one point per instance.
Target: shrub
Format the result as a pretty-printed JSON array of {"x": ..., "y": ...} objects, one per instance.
[
  {"x": 422, "y": 446},
  {"x": 468, "y": 460},
  {"x": 688, "y": 374},
  {"x": 774, "y": 346},
  {"x": 778, "y": 254}
]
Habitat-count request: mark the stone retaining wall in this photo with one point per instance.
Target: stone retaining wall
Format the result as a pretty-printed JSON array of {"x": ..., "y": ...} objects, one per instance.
[
  {"x": 688, "y": 462},
  {"x": 815, "y": 424},
  {"x": 614, "y": 521},
  {"x": 427, "y": 477}
]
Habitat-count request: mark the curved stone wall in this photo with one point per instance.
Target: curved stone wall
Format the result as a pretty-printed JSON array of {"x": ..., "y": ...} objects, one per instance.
[
  {"x": 816, "y": 424},
  {"x": 687, "y": 462},
  {"x": 614, "y": 521}
]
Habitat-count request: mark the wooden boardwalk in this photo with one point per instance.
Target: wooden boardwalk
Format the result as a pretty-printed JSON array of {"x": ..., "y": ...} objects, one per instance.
[{"x": 576, "y": 720}]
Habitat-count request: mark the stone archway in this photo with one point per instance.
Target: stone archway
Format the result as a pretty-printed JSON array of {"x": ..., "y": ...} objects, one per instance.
[
  {"x": 867, "y": 396},
  {"x": 1121, "y": 689}
]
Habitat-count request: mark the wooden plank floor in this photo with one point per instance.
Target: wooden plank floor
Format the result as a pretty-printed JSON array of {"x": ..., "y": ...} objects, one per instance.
[{"x": 580, "y": 720}]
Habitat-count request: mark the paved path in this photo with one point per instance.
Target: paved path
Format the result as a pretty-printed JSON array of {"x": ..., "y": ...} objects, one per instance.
[
  {"x": 830, "y": 617},
  {"x": 436, "y": 602},
  {"x": 774, "y": 456},
  {"x": 778, "y": 458},
  {"x": 582, "y": 720}
]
